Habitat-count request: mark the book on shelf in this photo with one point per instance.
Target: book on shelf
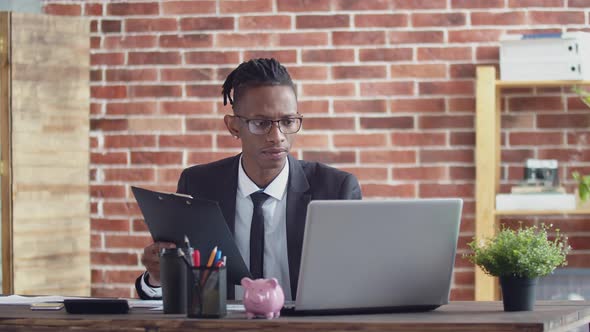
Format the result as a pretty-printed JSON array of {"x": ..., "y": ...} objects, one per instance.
[
  {"x": 535, "y": 201},
  {"x": 537, "y": 189}
]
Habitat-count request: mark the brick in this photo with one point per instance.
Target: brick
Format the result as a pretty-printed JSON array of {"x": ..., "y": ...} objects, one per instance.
[
  {"x": 447, "y": 88},
  {"x": 556, "y": 17},
  {"x": 386, "y": 54},
  {"x": 111, "y": 158},
  {"x": 487, "y": 53},
  {"x": 136, "y": 8},
  {"x": 303, "y": 39},
  {"x": 419, "y": 4},
  {"x": 415, "y": 37},
  {"x": 419, "y": 173},
  {"x": 124, "y": 75},
  {"x": 195, "y": 158},
  {"x": 93, "y": 211},
  {"x": 332, "y": 123},
  {"x": 463, "y": 172},
  {"x": 155, "y": 124},
  {"x": 359, "y": 140},
  {"x": 63, "y": 9},
  {"x": 303, "y": 5},
  {"x": 153, "y": 58},
  {"x": 187, "y": 74},
  {"x": 187, "y": 107},
  {"x": 445, "y": 121},
  {"x": 418, "y": 105},
  {"x": 129, "y": 174},
  {"x": 228, "y": 142},
  {"x": 537, "y": 103},
  {"x": 360, "y": 106},
  {"x": 462, "y": 70},
  {"x": 539, "y": 3},
  {"x": 110, "y": 26},
  {"x": 107, "y": 191},
  {"x": 245, "y": 6},
  {"x": 185, "y": 141},
  {"x": 330, "y": 157},
  {"x": 111, "y": 291},
  {"x": 150, "y": 24},
  {"x": 201, "y": 124},
  {"x": 563, "y": 120},
  {"x": 186, "y": 41},
  {"x": 93, "y": 145},
  {"x": 166, "y": 175},
  {"x": 393, "y": 122},
  {"x": 446, "y": 190},
  {"x": 477, "y": 4},
  {"x": 358, "y": 37},
  {"x": 155, "y": 91},
  {"x": 109, "y": 225},
  {"x": 109, "y": 59},
  {"x": 498, "y": 18},
  {"x": 463, "y": 138},
  {"x": 94, "y": 26},
  {"x": 565, "y": 155},
  {"x": 126, "y": 241},
  {"x": 206, "y": 23},
  {"x": 388, "y": 157},
  {"x": 474, "y": 35},
  {"x": 521, "y": 121},
  {"x": 157, "y": 158},
  {"x": 203, "y": 90},
  {"x": 577, "y": 3},
  {"x": 516, "y": 155},
  {"x": 438, "y": 19},
  {"x": 446, "y": 156},
  {"x": 129, "y": 141},
  {"x": 574, "y": 103},
  {"x": 444, "y": 53},
  {"x": 312, "y": 141},
  {"x": 93, "y": 9},
  {"x": 127, "y": 42},
  {"x": 95, "y": 43},
  {"x": 113, "y": 258},
  {"x": 389, "y": 190},
  {"x": 96, "y": 75},
  {"x": 122, "y": 276},
  {"x": 188, "y": 7},
  {"x": 322, "y": 21},
  {"x": 138, "y": 225},
  {"x": 121, "y": 209},
  {"x": 212, "y": 57},
  {"x": 313, "y": 106},
  {"x": 327, "y": 55},
  {"x": 535, "y": 138},
  {"x": 308, "y": 73},
  {"x": 418, "y": 71},
  {"x": 108, "y": 124},
  {"x": 418, "y": 139},
  {"x": 387, "y": 88},
  {"x": 275, "y": 22},
  {"x": 464, "y": 278},
  {"x": 381, "y": 20},
  {"x": 250, "y": 40},
  {"x": 358, "y": 72},
  {"x": 578, "y": 260},
  {"x": 368, "y": 173},
  {"x": 96, "y": 108},
  {"x": 127, "y": 108},
  {"x": 461, "y": 104},
  {"x": 284, "y": 57},
  {"x": 578, "y": 138},
  {"x": 108, "y": 92},
  {"x": 328, "y": 89},
  {"x": 361, "y": 5}
]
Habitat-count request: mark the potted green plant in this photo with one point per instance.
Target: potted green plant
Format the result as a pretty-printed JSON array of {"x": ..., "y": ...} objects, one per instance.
[
  {"x": 519, "y": 257},
  {"x": 583, "y": 190}
]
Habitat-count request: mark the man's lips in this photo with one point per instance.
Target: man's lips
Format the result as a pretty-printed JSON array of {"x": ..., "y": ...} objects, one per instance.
[{"x": 274, "y": 150}]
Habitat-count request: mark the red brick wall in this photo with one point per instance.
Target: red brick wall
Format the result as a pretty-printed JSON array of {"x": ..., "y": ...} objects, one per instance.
[{"x": 386, "y": 87}]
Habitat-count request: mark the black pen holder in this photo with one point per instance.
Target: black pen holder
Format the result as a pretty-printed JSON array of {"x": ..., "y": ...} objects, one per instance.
[{"x": 207, "y": 288}]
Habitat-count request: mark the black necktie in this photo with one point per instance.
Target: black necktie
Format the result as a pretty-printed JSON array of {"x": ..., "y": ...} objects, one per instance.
[{"x": 257, "y": 235}]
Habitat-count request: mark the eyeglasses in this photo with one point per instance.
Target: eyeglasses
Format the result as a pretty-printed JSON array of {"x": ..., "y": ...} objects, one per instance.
[{"x": 289, "y": 125}]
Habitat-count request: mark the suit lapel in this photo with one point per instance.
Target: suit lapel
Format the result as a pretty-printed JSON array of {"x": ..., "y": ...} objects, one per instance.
[
  {"x": 226, "y": 192},
  {"x": 297, "y": 201}
]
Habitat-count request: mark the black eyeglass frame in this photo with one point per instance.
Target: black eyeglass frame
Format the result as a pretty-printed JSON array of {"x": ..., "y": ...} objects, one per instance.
[{"x": 299, "y": 117}]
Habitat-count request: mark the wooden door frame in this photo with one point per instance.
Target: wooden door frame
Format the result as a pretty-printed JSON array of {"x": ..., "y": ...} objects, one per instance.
[{"x": 5, "y": 138}]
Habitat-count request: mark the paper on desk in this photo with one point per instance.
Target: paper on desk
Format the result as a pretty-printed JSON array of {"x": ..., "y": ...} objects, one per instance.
[
  {"x": 136, "y": 303},
  {"x": 27, "y": 300}
]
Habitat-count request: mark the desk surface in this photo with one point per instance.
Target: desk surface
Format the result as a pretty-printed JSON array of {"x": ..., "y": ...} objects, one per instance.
[{"x": 456, "y": 316}]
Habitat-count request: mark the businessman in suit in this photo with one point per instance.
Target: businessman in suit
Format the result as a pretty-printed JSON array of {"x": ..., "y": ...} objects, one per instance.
[{"x": 263, "y": 192}]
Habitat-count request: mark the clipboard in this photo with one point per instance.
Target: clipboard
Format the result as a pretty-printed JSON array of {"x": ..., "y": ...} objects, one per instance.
[{"x": 170, "y": 216}]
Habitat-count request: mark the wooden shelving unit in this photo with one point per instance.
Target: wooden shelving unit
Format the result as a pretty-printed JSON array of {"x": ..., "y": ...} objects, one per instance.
[{"x": 487, "y": 159}]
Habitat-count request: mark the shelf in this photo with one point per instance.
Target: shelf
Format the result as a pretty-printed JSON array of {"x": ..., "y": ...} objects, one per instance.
[
  {"x": 539, "y": 213},
  {"x": 528, "y": 84}
]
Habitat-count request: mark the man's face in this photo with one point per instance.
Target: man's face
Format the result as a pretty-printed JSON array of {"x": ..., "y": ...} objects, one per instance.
[{"x": 264, "y": 151}]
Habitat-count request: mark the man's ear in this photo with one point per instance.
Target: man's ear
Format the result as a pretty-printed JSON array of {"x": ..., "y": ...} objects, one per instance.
[{"x": 232, "y": 126}]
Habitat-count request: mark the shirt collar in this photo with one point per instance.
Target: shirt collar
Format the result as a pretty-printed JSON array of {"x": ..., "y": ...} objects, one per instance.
[{"x": 275, "y": 189}]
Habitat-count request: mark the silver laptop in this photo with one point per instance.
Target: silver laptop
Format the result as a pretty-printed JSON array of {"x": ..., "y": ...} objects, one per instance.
[{"x": 377, "y": 256}]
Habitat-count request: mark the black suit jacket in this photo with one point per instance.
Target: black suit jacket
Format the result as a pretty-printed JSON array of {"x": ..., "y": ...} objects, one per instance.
[{"x": 218, "y": 181}]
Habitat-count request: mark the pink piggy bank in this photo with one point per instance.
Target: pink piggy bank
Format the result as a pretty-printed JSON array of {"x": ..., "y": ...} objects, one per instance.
[{"x": 263, "y": 297}]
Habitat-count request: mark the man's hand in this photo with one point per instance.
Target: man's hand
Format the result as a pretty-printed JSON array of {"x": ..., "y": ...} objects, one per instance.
[{"x": 151, "y": 260}]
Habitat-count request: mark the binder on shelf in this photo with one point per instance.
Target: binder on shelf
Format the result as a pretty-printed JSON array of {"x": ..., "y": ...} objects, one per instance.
[
  {"x": 536, "y": 202},
  {"x": 561, "y": 56}
]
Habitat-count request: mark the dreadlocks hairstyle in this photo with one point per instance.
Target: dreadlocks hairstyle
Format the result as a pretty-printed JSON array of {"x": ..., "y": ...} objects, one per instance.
[{"x": 256, "y": 72}]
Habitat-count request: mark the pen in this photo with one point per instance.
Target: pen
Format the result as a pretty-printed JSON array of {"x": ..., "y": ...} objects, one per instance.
[
  {"x": 217, "y": 257},
  {"x": 189, "y": 249},
  {"x": 212, "y": 257}
]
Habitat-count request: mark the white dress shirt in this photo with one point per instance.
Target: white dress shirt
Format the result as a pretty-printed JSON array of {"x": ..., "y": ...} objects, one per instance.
[{"x": 274, "y": 209}]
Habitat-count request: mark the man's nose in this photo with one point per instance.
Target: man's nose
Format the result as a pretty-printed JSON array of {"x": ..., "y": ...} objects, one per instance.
[{"x": 275, "y": 134}]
